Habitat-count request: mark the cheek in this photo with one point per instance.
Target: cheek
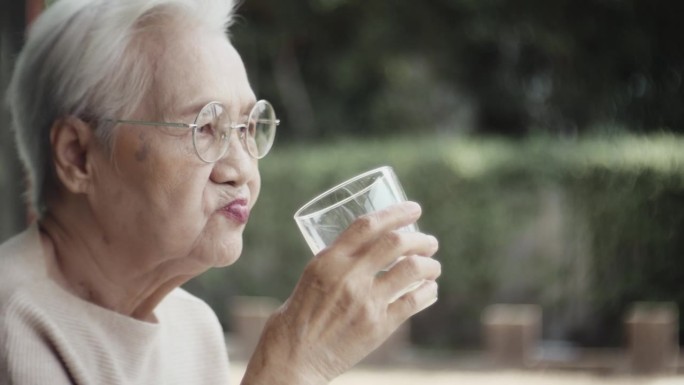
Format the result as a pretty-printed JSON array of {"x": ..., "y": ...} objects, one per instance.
[
  {"x": 183, "y": 193},
  {"x": 160, "y": 177},
  {"x": 179, "y": 208}
]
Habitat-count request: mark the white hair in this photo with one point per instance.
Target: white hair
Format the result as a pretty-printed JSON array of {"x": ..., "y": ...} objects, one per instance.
[{"x": 81, "y": 59}]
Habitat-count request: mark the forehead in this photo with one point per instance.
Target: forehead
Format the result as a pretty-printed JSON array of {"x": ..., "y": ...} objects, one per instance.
[{"x": 197, "y": 67}]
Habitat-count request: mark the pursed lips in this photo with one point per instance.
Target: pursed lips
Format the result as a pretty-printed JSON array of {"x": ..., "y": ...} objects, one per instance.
[{"x": 237, "y": 210}]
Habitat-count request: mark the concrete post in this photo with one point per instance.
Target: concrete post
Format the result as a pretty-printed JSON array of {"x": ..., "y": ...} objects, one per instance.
[
  {"x": 512, "y": 333},
  {"x": 653, "y": 337}
]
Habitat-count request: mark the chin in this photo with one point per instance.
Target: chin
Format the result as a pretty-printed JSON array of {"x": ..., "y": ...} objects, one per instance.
[
  {"x": 218, "y": 246},
  {"x": 225, "y": 253}
]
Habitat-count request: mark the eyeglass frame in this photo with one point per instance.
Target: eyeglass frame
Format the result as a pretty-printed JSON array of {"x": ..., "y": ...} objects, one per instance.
[{"x": 194, "y": 126}]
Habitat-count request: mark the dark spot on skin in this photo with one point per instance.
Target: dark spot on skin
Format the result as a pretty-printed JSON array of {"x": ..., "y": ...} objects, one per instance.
[
  {"x": 144, "y": 149},
  {"x": 105, "y": 240},
  {"x": 86, "y": 291}
]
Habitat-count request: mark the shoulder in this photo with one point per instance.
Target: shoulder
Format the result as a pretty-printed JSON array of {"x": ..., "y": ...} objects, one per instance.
[
  {"x": 20, "y": 270},
  {"x": 21, "y": 263}
]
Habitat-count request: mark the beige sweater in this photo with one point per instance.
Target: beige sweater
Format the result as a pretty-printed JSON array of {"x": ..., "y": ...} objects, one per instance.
[{"x": 49, "y": 336}]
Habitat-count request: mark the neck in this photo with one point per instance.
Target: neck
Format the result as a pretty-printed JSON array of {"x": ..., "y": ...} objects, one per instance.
[{"x": 88, "y": 265}]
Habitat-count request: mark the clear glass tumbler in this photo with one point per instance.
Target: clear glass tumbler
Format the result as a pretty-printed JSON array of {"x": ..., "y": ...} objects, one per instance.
[{"x": 323, "y": 218}]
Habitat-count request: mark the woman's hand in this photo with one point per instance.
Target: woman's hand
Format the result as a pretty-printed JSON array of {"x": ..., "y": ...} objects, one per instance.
[{"x": 340, "y": 310}]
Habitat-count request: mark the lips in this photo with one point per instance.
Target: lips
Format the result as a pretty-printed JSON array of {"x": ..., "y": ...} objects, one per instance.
[{"x": 237, "y": 210}]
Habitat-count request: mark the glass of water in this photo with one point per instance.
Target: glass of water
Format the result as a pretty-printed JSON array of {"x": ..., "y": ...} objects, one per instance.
[{"x": 326, "y": 216}]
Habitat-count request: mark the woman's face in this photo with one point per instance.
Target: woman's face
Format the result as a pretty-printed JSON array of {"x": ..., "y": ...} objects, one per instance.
[{"x": 156, "y": 200}]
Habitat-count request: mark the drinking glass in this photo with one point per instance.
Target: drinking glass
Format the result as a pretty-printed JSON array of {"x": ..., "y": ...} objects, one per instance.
[{"x": 326, "y": 216}]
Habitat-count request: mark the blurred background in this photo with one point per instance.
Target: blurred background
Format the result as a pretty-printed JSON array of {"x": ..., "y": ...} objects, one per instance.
[{"x": 542, "y": 139}]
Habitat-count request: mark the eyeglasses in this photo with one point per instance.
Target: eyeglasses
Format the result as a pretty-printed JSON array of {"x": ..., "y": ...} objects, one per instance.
[{"x": 212, "y": 129}]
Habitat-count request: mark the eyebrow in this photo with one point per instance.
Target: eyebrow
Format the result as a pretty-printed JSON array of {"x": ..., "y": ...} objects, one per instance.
[
  {"x": 194, "y": 108},
  {"x": 191, "y": 110},
  {"x": 247, "y": 108}
]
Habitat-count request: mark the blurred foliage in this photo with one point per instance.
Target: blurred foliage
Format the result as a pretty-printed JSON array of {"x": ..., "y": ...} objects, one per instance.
[
  {"x": 582, "y": 227},
  {"x": 340, "y": 67}
]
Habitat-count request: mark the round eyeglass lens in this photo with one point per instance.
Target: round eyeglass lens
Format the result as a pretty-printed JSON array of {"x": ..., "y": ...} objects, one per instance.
[
  {"x": 261, "y": 129},
  {"x": 209, "y": 137}
]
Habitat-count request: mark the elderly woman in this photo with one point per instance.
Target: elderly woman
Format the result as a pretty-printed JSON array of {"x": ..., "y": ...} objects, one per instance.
[{"x": 141, "y": 136}]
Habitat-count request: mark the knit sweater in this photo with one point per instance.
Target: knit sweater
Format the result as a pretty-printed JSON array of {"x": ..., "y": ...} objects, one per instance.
[{"x": 49, "y": 336}]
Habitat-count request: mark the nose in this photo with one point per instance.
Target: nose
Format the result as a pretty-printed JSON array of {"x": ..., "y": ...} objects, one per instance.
[{"x": 236, "y": 167}]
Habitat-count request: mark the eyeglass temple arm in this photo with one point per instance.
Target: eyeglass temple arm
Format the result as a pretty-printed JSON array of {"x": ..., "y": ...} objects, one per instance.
[
  {"x": 276, "y": 121},
  {"x": 179, "y": 125},
  {"x": 243, "y": 125},
  {"x": 154, "y": 124}
]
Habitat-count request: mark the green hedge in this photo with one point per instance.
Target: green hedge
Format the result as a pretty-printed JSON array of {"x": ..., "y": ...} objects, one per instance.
[{"x": 582, "y": 227}]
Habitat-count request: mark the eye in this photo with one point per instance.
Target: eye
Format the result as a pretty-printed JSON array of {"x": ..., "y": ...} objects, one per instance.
[{"x": 206, "y": 129}]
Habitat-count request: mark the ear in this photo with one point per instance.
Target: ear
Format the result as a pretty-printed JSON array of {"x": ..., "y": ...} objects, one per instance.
[{"x": 71, "y": 139}]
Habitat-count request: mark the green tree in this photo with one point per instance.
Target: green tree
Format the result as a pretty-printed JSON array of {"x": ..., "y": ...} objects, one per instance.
[{"x": 340, "y": 67}]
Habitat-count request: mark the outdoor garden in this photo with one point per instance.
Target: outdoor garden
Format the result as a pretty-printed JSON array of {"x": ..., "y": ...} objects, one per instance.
[{"x": 543, "y": 140}]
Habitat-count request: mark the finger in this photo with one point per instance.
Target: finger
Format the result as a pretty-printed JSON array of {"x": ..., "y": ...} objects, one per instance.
[
  {"x": 370, "y": 226},
  {"x": 386, "y": 249},
  {"x": 406, "y": 273},
  {"x": 413, "y": 302}
]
